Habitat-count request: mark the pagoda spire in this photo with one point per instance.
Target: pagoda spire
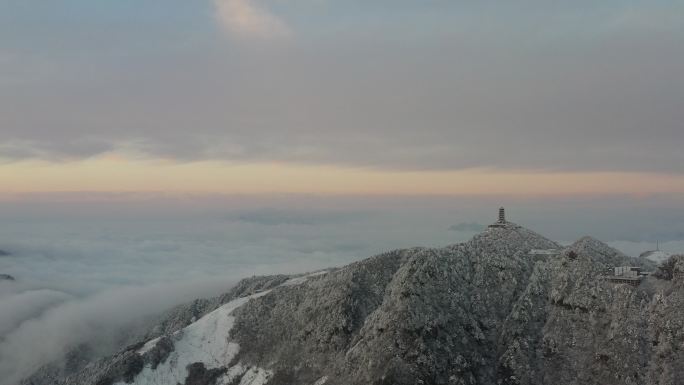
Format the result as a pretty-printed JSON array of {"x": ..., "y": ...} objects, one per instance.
[{"x": 502, "y": 219}]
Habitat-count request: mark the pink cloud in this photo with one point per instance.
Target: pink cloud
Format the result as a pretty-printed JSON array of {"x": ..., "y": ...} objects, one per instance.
[{"x": 245, "y": 19}]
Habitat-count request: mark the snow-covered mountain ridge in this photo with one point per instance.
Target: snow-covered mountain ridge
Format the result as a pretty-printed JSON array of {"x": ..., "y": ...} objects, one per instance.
[{"x": 493, "y": 310}]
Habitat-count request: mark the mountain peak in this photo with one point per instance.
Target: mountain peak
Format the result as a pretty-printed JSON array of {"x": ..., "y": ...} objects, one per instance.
[
  {"x": 516, "y": 236},
  {"x": 600, "y": 252},
  {"x": 479, "y": 312},
  {"x": 513, "y": 235},
  {"x": 592, "y": 245}
]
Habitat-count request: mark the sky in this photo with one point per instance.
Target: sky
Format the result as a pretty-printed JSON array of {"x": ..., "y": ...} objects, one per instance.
[
  {"x": 154, "y": 151},
  {"x": 332, "y": 97}
]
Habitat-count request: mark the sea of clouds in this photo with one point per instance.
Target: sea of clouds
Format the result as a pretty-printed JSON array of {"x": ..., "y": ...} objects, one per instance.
[
  {"x": 82, "y": 279},
  {"x": 86, "y": 270}
]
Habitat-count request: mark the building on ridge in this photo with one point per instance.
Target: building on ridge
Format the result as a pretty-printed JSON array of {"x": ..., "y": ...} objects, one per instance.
[
  {"x": 630, "y": 275},
  {"x": 502, "y": 219}
]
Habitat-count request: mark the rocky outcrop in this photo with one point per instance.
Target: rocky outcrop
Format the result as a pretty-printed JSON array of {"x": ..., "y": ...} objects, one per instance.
[{"x": 493, "y": 310}]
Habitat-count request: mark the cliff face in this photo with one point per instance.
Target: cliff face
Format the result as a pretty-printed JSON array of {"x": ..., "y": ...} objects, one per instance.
[{"x": 507, "y": 307}]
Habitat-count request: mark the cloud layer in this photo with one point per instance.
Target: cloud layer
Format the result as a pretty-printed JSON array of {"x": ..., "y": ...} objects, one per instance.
[
  {"x": 429, "y": 85},
  {"x": 246, "y": 19},
  {"x": 96, "y": 319}
]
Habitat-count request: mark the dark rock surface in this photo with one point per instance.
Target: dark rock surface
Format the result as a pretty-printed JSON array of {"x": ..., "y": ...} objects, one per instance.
[
  {"x": 199, "y": 375},
  {"x": 6, "y": 277}
]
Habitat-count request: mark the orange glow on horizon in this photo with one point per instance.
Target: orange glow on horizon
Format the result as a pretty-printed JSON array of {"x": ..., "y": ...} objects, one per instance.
[{"x": 116, "y": 173}]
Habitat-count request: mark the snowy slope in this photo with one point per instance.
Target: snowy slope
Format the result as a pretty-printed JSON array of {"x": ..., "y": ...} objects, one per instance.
[{"x": 206, "y": 341}]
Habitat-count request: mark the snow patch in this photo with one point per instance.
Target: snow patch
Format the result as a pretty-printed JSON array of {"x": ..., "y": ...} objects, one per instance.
[
  {"x": 205, "y": 340},
  {"x": 302, "y": 279},
  {"x": 148, "y": 346},
  {"x": 230, "y": 376},
  {"x": 248, "y": 376},
  {"x": 544, "y": 251},
  {"x": 321, "y": 380},
  {"x": 256, "y": 376}
]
